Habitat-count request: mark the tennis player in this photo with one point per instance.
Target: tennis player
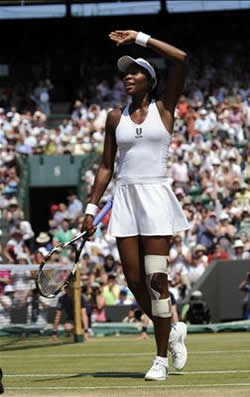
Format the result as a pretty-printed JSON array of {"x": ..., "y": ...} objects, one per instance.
[{"x": 146, "y": 212}]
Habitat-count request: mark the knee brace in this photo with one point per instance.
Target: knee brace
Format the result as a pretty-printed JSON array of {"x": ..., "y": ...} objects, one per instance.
[{"x": 157, "y": 264}]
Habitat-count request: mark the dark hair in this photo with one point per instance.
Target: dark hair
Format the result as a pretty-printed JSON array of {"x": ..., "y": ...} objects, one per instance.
[{"x": 155, "y": 92}]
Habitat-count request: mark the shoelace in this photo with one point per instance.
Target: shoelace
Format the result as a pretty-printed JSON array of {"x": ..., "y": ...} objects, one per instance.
[
  {"x": 173, "y": 350},
  {"x": 157, "y": 364}
]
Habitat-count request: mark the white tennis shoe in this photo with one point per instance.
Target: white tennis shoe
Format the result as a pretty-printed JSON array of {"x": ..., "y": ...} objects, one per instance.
[
  {"x": 159, "y": 369},
  {"x": 176, "y": 345}
]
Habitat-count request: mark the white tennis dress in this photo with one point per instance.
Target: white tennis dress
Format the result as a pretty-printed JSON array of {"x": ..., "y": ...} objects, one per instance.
[{"x": 144, "y": 203}]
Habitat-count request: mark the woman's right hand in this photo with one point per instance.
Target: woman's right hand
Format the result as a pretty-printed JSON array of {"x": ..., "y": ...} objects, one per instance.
[
  {"x": 88, "y": 225},
  {"x": 122, "y": 37}
]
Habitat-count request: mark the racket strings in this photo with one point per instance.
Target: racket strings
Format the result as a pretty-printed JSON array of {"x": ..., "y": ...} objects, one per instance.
[{"x": 56, "y": 271}]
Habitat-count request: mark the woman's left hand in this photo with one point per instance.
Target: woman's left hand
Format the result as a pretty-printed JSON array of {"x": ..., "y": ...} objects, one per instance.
[{"x": 123, "y": 37}]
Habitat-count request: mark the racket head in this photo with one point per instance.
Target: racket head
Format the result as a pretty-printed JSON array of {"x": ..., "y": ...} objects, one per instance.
[{"x": 57, "y": 270}]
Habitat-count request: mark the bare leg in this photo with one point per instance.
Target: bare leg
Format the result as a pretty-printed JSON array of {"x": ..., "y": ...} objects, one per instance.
[
  {"x": 159, "y": 245},
  {"x": 132, "y": 251},
  {"x": 132, "y": 260}
]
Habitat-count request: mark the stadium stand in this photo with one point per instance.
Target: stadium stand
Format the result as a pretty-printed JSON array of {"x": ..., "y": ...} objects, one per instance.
[{"x": 209, "y": 169}]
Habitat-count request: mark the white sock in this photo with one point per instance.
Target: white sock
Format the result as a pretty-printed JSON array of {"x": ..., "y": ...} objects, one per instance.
[{"x": 163, "y": 360}]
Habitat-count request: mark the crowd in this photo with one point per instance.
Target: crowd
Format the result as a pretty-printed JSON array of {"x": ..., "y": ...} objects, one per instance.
[{"x": 208, "y": 168}]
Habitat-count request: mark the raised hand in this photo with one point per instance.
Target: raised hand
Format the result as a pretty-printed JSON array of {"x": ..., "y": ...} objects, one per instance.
[{"x": 123, "y": 37}]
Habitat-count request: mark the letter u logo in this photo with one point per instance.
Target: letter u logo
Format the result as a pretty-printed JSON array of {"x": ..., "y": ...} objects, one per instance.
[{"x": 138, "y": 131}]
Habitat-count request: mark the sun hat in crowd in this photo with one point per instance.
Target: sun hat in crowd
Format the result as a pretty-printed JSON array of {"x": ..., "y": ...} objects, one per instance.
[
  {"x": 43, "y": 251},
  {"x": 224, "y": 216},
  {"x": 8, "y": 288},
  {"x": 196, "y": 294},
  {"x": 43, "y": 238},
  {"x": 126, "y": 61},
  {"x": 200, "y": 247},
  {"x": 238, "y": 244}
]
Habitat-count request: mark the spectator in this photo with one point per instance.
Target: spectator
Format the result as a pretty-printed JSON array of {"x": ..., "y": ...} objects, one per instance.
[
  {"x": 207, "y": 231},
  {"x": 43, "y": 240},
  {"x": 75, "y": 207},
  {"x": 63, "y": 233},
  {"x": 98, "y": 304},
  {"x": 123, "y": 297},
  {"x": 198, "y": 264},
  {"x": 245, "y": 287},
  {"x": 111, "y": 291},
  {"x": 65, "y": 304},
  {"x": 15, "y": 246},
  {"x": 137, "y": 316},
  {"x": 6, "y": 303},
  {"x": 239, "y": 252},
  {"x": 217, "y": 254}
]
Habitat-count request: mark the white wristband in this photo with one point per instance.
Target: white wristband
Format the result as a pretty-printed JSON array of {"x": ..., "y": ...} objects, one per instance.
[
  {"x": 91, "y": 209},
  {"x": 142, "y": 39}
]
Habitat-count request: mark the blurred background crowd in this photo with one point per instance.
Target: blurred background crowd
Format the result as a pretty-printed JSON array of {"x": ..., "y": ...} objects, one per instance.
[{"x": 208, "y": 168}]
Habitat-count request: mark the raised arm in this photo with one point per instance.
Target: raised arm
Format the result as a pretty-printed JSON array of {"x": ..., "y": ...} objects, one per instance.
[{"x": 176, "y": 58}]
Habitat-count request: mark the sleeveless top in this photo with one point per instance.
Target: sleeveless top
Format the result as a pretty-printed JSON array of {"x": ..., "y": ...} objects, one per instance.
[{"x": 143, "y": 148}]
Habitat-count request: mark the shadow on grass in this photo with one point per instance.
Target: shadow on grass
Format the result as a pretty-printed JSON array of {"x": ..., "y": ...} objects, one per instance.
[
  {"x": 24, "y": 343},
  {"x": 134, "y": 375}
]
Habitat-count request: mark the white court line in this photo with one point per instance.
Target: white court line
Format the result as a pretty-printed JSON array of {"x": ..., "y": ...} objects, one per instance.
[
  {"x": 103, "y": 374},
  {"x": 89, "y": 355},
  {"x": 130, "y": 387}
]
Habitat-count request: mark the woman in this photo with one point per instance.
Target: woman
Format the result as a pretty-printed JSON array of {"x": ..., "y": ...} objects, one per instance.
[{"x": 145, "y": 210}]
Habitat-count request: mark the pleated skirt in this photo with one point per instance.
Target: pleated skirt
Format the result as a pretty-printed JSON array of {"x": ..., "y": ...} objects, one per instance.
[{"x": 146, "y": 209}]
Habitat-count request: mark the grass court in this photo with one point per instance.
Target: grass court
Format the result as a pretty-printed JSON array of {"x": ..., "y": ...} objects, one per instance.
[{"x": 114, "y": 366}]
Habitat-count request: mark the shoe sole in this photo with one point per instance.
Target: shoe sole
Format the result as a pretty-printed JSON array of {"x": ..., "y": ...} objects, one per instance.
[{"x": 153, "y": 379}]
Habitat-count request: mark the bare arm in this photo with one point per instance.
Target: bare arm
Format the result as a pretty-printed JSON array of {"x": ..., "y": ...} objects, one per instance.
[
  {"x": 106, "y": 167},
  {"x": 85, "y": 319},
  {"x": 57, "y": 320},
  {"x": 177, "y": 59}
]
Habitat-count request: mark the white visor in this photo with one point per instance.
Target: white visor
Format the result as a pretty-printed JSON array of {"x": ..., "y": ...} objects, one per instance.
[{"x": 126, "y": 61}]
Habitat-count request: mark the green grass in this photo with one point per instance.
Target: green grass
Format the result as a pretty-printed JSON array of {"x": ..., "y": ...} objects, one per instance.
[{"x": 218, "y": 365}]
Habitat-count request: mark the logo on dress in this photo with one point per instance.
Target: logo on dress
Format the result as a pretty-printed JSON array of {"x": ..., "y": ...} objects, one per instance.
[{"x": 138, "y": 133}]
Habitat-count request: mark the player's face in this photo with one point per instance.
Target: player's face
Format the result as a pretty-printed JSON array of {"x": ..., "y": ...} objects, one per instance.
[{"x": 136, "y": 80}]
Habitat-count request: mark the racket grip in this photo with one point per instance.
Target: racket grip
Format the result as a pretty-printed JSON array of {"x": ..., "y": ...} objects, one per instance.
[{"x": 103, "y": 212}]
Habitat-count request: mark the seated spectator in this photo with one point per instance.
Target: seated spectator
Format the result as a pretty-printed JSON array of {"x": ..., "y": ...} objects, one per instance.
[
  {"x": 4, "y": 279},
  {"x": 60, "y": 213},
  {"x": 217, "y": 254},
  {"x": 75, "y": 207},
  {"x": 64, "y": 232},
  {"x": 137, "y": 316},
  {"x": 123, "y": 297},
  {"x": 239, "y": 251},
  {"x": 6, "y": 303},
  {"x": 244, "y": 222},
  {"x": 43, "y": 240},
  {"x": 179, "y": 286},
  {"x": 15, "y": 246},
  {"x": 179, "y": 252},
  {"x": 225, "y": 230},
  {"x": 198, "y": 265},
  {"x": 111, "y": 291},
  {"x": 207, "y": 231},
  {"x": 27, "y": 232},
  {"x": 97, "y": 302},
  {"x": 109, "y": 264}
]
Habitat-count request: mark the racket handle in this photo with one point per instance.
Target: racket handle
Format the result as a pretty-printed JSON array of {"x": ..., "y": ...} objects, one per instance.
[{"x": 103, "y": 212}]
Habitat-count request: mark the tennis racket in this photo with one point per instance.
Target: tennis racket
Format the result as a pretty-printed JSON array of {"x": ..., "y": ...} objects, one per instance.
[{"x": 60, "y": 264}]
